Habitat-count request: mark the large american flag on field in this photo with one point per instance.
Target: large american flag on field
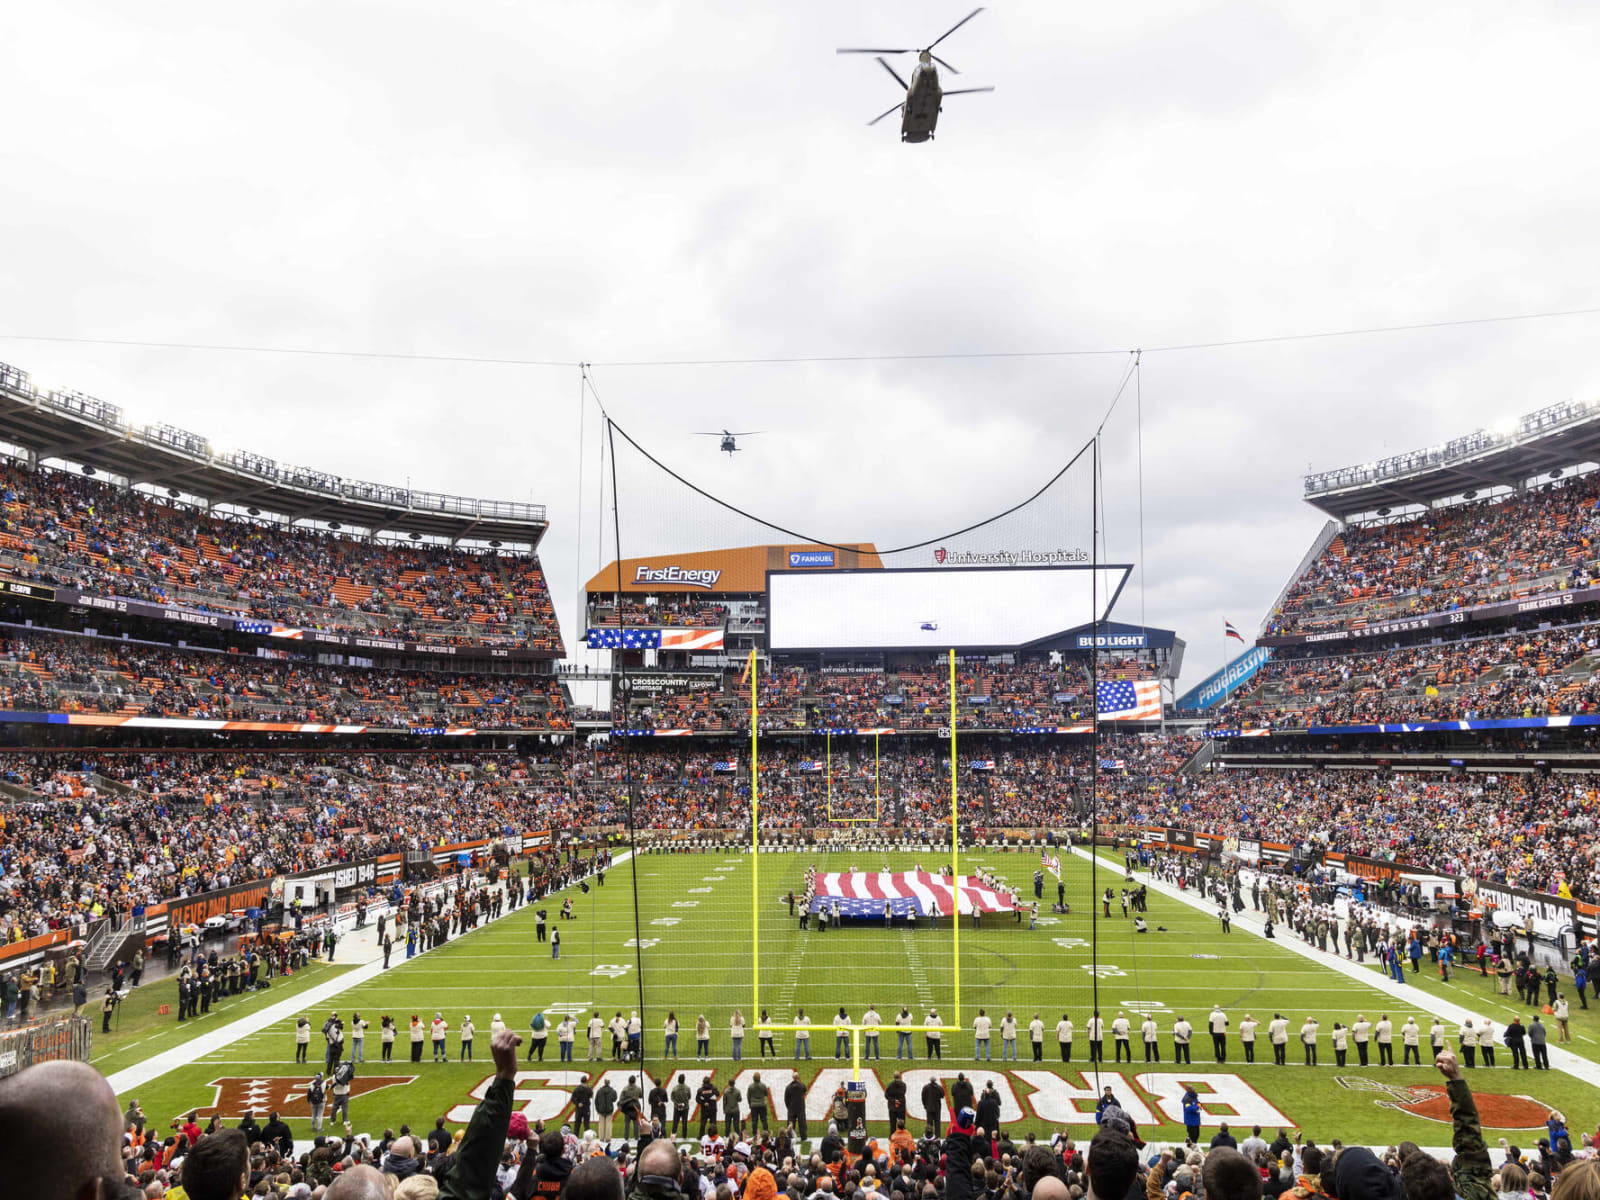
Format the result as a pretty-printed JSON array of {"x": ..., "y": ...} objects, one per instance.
[
  {"x": 863, "y": 894},
  {"x": 1128, "y": 700}
]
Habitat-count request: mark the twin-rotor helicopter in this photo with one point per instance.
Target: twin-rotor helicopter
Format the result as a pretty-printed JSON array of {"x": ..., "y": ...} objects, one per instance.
[{"x": 919, "y": 111}]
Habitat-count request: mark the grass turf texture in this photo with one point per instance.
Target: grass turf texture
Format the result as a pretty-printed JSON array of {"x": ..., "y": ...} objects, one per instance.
[{"x": 696, "y": 957}]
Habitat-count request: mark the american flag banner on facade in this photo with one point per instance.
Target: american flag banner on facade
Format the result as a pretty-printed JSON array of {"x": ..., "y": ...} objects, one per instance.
[
  {"x": 691, "y": 639},
  {"x": 863, "y": 894},
  {"x": 1125, "y": 700},
  {"x": 624, "y": 639}
]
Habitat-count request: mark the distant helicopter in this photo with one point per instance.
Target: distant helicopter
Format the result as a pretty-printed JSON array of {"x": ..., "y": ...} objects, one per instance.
[
  {"x": 921, "y": 107},
  {"x": 728, "y": 444}
]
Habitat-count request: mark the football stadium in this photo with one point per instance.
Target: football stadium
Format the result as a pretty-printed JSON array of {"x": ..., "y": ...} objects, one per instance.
[
  {"x": 296, "y": 806},
  {"x": 873, "y": 804}
]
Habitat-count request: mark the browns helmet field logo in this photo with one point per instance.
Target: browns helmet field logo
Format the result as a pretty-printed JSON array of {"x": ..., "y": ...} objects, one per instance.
[
  {"x": 282, "y": 1094},
  {"x": 1431, "y": 1102}
]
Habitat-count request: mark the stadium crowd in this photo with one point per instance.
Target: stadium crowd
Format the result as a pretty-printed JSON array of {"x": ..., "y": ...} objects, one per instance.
[
  {"x": 117, "y": 831},
  {"x": 105, "y": 830},
  {"x": 1030, "y": 694},
  {"x": 63, "y": 529},
  {"x": 1541, "y": 541},
  {"x": 80, "y": 1139},
  {"x": 692, "y": 611},
  {"x": 1523, "y": 829},
  {"x": 79, "y": 674},
  {"x": 1532, "y": 674}
]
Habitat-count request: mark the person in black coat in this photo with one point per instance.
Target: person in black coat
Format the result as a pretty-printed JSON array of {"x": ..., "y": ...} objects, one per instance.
[
  {"x": 794, "y": 1106},
  {"x": 543, "y": 1174},
  {"x": 276, "y": 1133},
  {"x": 958, "y": 1183},
  {"x": 960, "y": 1094},
  {"x": 895, "y": 1095},
  {"x": 933, "y": 1105},
  {"x": 989, "y": 1108}
]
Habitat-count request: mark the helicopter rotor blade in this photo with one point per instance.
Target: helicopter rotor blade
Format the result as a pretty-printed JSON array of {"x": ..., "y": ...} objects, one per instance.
[
  {"x": 859, "y": 50},
  {"x": 965, "y": 91},
  {"x": 896, "y": 75},
  {"x": 944, "y": 64},
  {"x": 955, "y": 27},
  {"x": 882, "y": 115}
]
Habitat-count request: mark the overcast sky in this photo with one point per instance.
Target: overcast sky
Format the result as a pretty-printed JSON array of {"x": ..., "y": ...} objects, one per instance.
[{"x": 611, "y": 182}]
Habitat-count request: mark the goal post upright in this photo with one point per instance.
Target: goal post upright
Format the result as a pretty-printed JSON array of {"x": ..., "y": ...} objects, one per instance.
[
  {"x": 955, "y": 848},
  {"x": 755, "y": 842}
]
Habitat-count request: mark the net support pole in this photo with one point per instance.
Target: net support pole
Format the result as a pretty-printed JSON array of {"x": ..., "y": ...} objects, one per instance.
[
  {"x": 755, "y": 847},
  {"x": 955, "y": 849}
]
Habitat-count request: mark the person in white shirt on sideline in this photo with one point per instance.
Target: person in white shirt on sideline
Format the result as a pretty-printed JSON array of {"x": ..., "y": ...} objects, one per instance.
[
  {"x": 1383, "y": 1034},
  {"x": 1341, "y": 1040},
  {"x": 1120, "y": 1029},
  {"x": 802, "y": 1036},
  {"x": 1097, "y": 1034},
  {"x": 932, "y": 1036},
  {"x": 870, "y": 1021},
  {"x": 841, "y": 1034},
  {"x": 1064, "y": 1037},
  {"x": 1151, "y": 1031},
  {"x": 468, "y": 1031},
  {"x": 980, "y": 1035},
  {"x": 1182, "y": 1031},
  {"x": 1308, "y": 1040},
  {"x": 1411, "y": 1037},
  {"x": 1036, "y": 1037},
  {"x": 1469, "y": 1044},
  {"x": 1361, "y": 1034},
  {"x": 1247, "y": 1037},
  {"x": 1008, "y": 1038},
  {"x": 1278, "y": 1035},
  {"x": 1218, "y": 1023}
]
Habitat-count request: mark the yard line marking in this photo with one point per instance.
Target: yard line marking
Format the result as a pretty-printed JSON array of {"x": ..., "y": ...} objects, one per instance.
[
  {"x": 261, "y": 1019},
  {"x": 1250, "y": 923}
]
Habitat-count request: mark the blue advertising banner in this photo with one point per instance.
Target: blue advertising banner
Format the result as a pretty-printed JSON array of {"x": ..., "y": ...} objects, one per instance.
[
  {"x": 1217, "y": 687},
  {"x": 810, "y": 558}
]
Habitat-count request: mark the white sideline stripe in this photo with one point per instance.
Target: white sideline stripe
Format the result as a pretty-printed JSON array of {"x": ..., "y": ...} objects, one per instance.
[
  {"x": 224, "y": 1036},
  {"x": 1404, "y": 996}
]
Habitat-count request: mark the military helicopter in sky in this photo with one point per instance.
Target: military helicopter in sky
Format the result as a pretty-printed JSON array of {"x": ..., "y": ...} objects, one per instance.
[
  {"x": 728, "y": 444},
  {"x": 919, "y": 111}
]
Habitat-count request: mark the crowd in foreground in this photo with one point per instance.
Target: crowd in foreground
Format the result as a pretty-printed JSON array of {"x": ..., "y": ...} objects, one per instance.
[{"x": 63, "y": 1135}]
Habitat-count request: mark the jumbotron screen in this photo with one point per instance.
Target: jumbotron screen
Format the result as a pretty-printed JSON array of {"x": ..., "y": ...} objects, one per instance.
[{"x": 990, "y": 607}]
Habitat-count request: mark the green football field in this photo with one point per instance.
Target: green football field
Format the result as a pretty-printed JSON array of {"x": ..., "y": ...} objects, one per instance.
[{"x": 692, "y": 953}]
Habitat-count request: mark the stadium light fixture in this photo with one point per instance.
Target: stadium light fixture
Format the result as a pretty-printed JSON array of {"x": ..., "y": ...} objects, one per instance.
[
  {"x": 335, "y": 525},
  {"x": 1557, "y": 473},
  {"x": 173, "y": 493},
  {"x": 86, "y": 469}
]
